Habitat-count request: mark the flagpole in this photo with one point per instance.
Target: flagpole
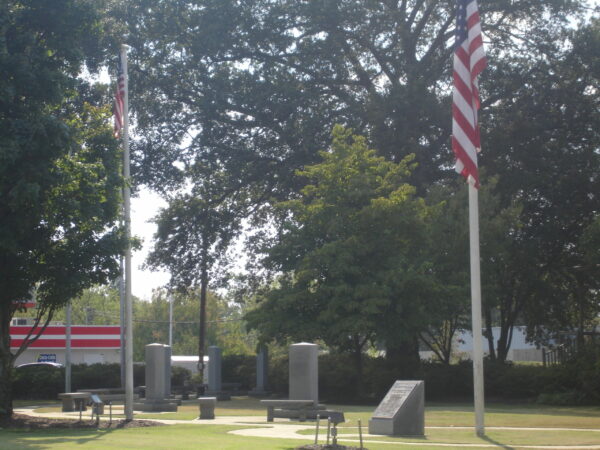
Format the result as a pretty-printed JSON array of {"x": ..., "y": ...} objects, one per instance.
[
  {"x": 127, "y": 214},
  {"x": 122, "y": 317},
  {"x": 478, "y": 392}
]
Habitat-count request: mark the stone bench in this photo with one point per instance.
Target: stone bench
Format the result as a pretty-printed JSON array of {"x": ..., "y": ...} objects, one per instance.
[
  {"x": 107, "y": 396},
  {"x": 292, "y": 409},
  {"x": 105, "y": 391},
  {"x": 207, "y": 407},
  {"x": 74, "y": 401}
]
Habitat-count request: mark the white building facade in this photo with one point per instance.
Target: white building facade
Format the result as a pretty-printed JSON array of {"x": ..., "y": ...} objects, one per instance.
[{"x": 90, "y": 344}]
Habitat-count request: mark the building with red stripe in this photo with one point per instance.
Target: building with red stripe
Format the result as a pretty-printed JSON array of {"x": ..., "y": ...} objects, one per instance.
[{"x": 89, "y": 344}]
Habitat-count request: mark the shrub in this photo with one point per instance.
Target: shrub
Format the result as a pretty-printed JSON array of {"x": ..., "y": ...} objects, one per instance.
[
  {"x": 569, "y": 398},
  {"x": 46, "y": 382},
  {"x": 576, "y": 382},
  {"x": 180, "y": 376},
  {"x": 38, "y": 382},
  {"x": 278, "y": 375},
  {"x": 95, "y": 376},
  {"x": 447, "y": 382},
  {"x": 239, "y": 369}
]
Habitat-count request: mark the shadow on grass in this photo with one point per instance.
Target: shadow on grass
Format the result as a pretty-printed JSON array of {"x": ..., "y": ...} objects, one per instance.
[
  {"x": 494, "y": 442},
  {"x": 10, "y": 439}
]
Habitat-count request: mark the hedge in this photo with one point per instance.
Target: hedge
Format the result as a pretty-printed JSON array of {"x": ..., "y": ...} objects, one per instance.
[
  {"x": 45, "y": 382},
  {"x": 576, "y": 382}
]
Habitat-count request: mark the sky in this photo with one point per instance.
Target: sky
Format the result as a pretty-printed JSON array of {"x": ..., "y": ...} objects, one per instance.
[{"x": 143, "y": 208}]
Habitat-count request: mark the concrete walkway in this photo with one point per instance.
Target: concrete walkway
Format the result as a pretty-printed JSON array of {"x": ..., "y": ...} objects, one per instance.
[{"x": 284, "y": 430}]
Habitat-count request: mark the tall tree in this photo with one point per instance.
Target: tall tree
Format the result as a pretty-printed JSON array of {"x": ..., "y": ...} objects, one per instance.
[
  {"x": 447, "y": 249},
  {"x": 224, "y": 324},
  {"x": 250, "y": 89},
  {"x": 98, "y": 305},
  {"x": 350, "y": 254},
  {"x": 255, "y": 86},
  {"x": 546, "y": 156},
  {"x": 59, "y": 182},
  {"x": 191, "y": 241}
]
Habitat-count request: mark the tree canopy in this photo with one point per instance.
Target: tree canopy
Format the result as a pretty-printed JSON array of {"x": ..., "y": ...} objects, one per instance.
[
  {"x": 351, "y": 254},
  {"x": 251, "y": 90},
  {"x": 59, "y": 176}
]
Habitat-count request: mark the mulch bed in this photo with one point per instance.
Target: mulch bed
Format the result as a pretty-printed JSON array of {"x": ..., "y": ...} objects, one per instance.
[{"x": 24, "y": 422}]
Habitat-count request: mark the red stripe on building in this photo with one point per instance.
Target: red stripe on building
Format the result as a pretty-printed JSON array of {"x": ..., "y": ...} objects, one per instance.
[
  {"x": 54, "y": 336},
  {"x": 75, "y": 343},
  {"x": 75, "y": 330}
]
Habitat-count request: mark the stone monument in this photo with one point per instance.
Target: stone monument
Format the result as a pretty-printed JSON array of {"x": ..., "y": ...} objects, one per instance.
[
  {"x": 304, "y": 372},
  {"x": 158, "y": 380},
  {"x": 402, "y": 411},
  {"x": 214, "y": 388},
  {"x": 262, "y": 369}
]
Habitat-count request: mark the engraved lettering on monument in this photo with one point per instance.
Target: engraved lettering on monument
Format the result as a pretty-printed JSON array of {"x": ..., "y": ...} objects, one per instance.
[
  {"x": 402, "y": 411},
  {"x": 396, "y": 396}
]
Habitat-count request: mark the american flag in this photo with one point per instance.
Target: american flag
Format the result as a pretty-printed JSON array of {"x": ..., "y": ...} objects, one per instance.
[
  {"x": 469, "y": 61},
  {"x": 119, "y": 100}
]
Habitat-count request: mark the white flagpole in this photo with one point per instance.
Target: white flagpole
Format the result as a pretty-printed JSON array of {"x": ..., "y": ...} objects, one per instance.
[
  {"x": 122, "y": 316},
  {"x": 171, "y": 320},
  {"x": 127, "y": 213},
  {"x": 476, "y": 308}
]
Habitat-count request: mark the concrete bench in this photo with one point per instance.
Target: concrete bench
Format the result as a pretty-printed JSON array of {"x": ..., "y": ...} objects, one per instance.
[
  {"x": 292, "y": 409},
  {"x": 108, "y": 396},
  {"x": 207, "y": 407},
  {"x": 74, "y": 401},
  {"x": 101, "y": 391}
]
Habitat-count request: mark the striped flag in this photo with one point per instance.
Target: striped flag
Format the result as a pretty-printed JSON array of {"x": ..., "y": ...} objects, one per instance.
[
  {"x": 469, "y": 61},
  {"x": 119, "y": 100}
]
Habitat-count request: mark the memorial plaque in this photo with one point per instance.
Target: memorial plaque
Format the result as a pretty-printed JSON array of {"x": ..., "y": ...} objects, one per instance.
[{"x": 402, "y": 411}]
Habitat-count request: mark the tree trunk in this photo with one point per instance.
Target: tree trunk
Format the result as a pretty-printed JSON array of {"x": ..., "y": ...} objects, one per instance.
[
  {"x": 6, "y": 409},
  {"x": 448, "y": 331},
  {"x": 579, "y": 294},
  {"x": 489, "y": 334},
  {"x": 6, "y": 363},
  {"x": 509, "y": 314},
  {"x": 357, "y": 356},
  {"x": 404, "y": 357},
  {"x": 505, "y": 339},
  {"x": 502, "y": 349}
]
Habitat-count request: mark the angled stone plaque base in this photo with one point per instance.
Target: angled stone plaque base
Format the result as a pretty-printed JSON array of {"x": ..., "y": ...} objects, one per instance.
[{"x": 402, "y": 411}]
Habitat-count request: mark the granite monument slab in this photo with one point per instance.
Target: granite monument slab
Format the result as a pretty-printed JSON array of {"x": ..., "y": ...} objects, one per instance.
[
  {"x": 304, "y": 372},
  {"x": 402, "y": 410}
]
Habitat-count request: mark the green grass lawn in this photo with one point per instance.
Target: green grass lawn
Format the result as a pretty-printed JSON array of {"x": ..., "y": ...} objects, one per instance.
[
  {"x": 171, "y": 437},
  {"x": 436, "y": 415},
  {"x": 216, "y": 437},
  {"x": 499, "y": 415},
  {"x": 502, "y": 437}
]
